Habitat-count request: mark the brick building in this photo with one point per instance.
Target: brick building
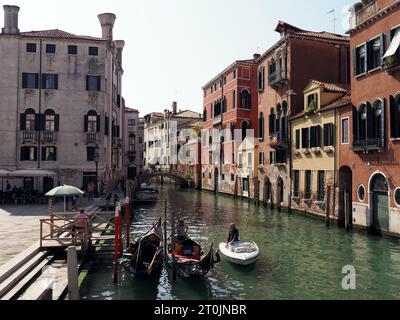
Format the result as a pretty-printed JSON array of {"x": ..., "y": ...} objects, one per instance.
[
  {"x": 230, "y": 115},
  {"x": 284, "y": 71},
  {"x": 370, "y": 141}
]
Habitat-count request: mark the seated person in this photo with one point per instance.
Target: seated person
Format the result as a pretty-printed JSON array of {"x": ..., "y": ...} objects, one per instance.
[
  {"x": 181, "y": 231},
  {"x": 80, "y": 223},
  {"x": 233, "y": 235}
]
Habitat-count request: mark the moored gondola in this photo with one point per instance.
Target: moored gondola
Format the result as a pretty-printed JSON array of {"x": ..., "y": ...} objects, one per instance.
[
  {"x": 190, "y": 261},
  {"x": 144, "y": 257}
]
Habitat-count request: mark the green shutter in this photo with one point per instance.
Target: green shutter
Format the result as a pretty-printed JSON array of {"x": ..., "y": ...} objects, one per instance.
[{"x": 355, "y": 62}]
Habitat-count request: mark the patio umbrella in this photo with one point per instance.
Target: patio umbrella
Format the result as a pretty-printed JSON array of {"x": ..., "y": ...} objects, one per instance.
[{"x": 64, "y": 191}]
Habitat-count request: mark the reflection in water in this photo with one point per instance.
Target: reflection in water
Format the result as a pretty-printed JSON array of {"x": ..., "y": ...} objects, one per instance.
[{"x": 301, "y": 258}]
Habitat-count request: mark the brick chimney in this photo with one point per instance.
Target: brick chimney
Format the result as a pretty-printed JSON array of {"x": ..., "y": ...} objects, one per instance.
[
  {"x": 256, "y": 56},
  {"x": 107, "y": 21},
  {"x": 10, "y": 20}
]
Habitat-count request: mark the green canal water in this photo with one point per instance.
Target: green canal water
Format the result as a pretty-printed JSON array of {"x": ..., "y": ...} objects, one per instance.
[{"x": 301, "y": 257}]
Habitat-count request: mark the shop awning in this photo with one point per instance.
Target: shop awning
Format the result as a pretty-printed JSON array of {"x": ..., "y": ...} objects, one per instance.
[
  {"x": 394, "y": 45},
  {"x": 31, "y": 173}
]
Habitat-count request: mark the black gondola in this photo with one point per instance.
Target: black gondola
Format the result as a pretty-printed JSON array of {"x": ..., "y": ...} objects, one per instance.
[
  {"x": 190, "y": 262},
  {"x": 144, "y": 257}
]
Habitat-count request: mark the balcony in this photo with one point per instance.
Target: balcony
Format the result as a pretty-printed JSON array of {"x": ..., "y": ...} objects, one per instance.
[
  {"x": 279, "y": 141},
  {"x": 49, "y": 137},
  {"x": 217, "y": 120},
  {"x": 92, "y": 137},
  {"x": 368, "y": 145},
  {"x": 392, "y": 64},
  {"x": 363, "y": 11},
  {"x": 29, "y": 136},
  {"x": 117, "y": 143},
  {"x": 277, "y": 78}
]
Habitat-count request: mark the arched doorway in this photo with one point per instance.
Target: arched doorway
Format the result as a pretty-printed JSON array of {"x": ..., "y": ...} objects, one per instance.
[
  {"x": 216, "y": 180},
  {"x": 281, "y": 193},
  {"x": 267, "y": 192},
  {"x": 345, "y": 197},
  {"x": 379, "y": 204}
]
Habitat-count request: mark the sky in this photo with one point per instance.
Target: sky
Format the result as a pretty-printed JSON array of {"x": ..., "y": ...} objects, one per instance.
[{"x": 174, "y": 47}]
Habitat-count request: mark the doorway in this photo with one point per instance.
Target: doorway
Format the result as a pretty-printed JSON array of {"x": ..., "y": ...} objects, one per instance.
[
  {"x": 267, "y": 192},
  {"x": 216, "y": 180},
  {"x": 345, "y": 197},
  {"x": 281, "y": 193},
  {"x": 379, "y": 204}
]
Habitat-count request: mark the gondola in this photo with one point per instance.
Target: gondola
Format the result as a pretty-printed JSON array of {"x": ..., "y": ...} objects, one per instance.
[
  {"x": 144, "y": 257},
  {"x": 190, "y": 262},
  {"x": 147, "y": 195}
]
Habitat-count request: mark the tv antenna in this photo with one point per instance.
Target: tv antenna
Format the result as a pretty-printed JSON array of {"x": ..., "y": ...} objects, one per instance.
[{"x": 333, "y": 12}]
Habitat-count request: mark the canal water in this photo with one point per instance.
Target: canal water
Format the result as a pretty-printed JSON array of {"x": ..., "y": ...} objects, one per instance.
[{"x": 301, "y": 258}]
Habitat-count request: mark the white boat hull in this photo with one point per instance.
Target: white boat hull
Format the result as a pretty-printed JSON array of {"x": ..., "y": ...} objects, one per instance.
[{"x": 242, "y": 259}]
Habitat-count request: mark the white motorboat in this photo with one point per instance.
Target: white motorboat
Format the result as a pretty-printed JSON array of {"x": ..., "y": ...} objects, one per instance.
[{"x": 241, "y": 253}]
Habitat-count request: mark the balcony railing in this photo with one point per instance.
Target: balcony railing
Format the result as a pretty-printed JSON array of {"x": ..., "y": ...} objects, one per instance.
[
  {"x": 217, "y": 120},
  {"x": 367, "y": 11},
  {"x": 29, "y": 136},
  {"x": 279, "y": 141},
  {"x": 368, "y": 145},
  {"x": 49, "y": 137},
  {"x": 277, "y": 78},
  {"x": 92, "y": 137}
]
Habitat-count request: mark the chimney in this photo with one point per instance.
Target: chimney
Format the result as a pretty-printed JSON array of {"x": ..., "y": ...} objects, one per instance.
[
  {"x": 10, "y": 20},
  {"x": 107, "y": 21},
  {"x": 174, "y": 108},
  {"x": 119, "y": 45},
  {"x": 256, "y": 56}
]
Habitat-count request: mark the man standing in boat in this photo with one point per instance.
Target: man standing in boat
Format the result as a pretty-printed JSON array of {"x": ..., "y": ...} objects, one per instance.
[
  {"x": 181, "y": 230},
  {"x": 233, "y": 234}
]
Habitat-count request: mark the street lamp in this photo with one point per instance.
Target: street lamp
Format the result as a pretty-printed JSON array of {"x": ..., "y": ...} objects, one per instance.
[{"x": 96, "y": 159}]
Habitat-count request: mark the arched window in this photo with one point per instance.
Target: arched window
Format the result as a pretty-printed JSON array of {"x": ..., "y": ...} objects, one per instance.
[
  {"x": 362, "y": 122},
  {"x": 92, "y": 123},
  {"x": 261, "y": 125},
  {"x": 278, "y": 118},
  {"x": 132, "y": 141},
  {"x": 245, "y": 99},
  {"x": 205, "y": 115},
  {"x": 50, "y": 120},
  {"x": 272, "y": 122},
  {"x": 29, "y": 120},
  {"x": 245, "y": 127},
  {"x": 285, "y": 122},
  {"x": 395, "y": 116}
]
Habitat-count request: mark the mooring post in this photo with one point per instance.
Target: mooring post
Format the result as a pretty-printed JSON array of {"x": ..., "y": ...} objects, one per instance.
[
  {"x": 328, "y": 206},
  {"x": 128, "y": 222},
  {"x": 72, "y": 267},
  {"x": 173, "y": 248},
  {"x": 165, "y": 232},
  {"x": 121, "y": 244},
  {"x": 346, "y": 210},
  {"x": 116, "y": 243}
]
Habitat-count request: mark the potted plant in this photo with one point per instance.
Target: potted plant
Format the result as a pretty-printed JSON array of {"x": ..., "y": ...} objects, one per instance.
[{"x": 311, "y": 108}]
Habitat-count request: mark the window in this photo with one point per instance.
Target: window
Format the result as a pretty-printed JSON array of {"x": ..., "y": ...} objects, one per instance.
[
  {"x": 250, "y": 160},
  {"x": 90, "y": 153},
  {"x": 397, "y": 197},
  {"x": 296, "y": 183},
  {"x": 72, "y": 49},
  {"x": 49, "y": 154},
  {"x": 361, "y": 193},
  {"x": 321, "y": 186},
  {"x": 93, "y": 83},
  {"x": 391, "y": 57},
  {"x": 312, "y": 101},
  {"x": 272, "y": 122},
  {"x": 140, "y": 140},
  {"x": 245, "y": 185},
  {"x": 234, "y": 99},
  {"x": 308, "y": 185},
  {"x": 205, "y": 115},
  {"x": 131, "y": 122},
  {"x": 225, "y": 81},
  {"x": 27, "y": 120},
  {"x": 298, "y": 138},
  {"x": 28, "y": 154},
  {"x": 93, "y": 51},
  {"x": 240, "y": 160},
  {"x": 50, "y": 48},
  {"x": 280, "y": 157},
  {"x": 50, "y": 121},
  {"x": 375, "y": 48},
  {"x": 261, "y": 78},
  {"x": 31, "y": 47},
  {"x": 132, "y": 142},
  {"x": 305, "y": 138},
  {"x": 245, "y": 99},
  {"x": 395, "y": 117},
  {"x": 261, "y": 126},
  {"x": 360, "y": 60},
  {"x": 315, "y": 137},
  {"x": 345, "y": 131},
  {"x": 272, "y": 157},
  {"x": 50, "y": 81},
  {"x": 30, "y": 81},
  {"x": 245, "y": 128},
  {"x": 234, "y": 74},
  {"x": 261, "y": 158},
  {"x": 329, "y": 135},
  {"x": 232, "y": 177}
]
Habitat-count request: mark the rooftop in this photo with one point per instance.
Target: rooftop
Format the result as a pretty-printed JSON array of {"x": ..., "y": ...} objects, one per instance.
[
  {"x": 330, "y": 87},
  {"x": 56, "y": 33}
]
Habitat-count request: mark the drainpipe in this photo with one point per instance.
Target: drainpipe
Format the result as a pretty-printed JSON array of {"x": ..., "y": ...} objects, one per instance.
[
  {"x": 40, "y": 101},
  {"x": 335, "y": 172}
]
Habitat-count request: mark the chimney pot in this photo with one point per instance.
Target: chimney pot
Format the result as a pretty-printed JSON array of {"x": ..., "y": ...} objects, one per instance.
[
  {"x": 256, "y": 56},
  {"x": 174, "y": 107},
  {"x": 107, "y": 21},
  {"x": 10, "y": 20}
]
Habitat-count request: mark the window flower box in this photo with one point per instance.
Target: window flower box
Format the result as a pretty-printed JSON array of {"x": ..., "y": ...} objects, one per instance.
[
  {"x": 296, "y": 152},
  {"x": 307, "y": 151},
  {"x": 316, "y": 150},
  {"x": 329, "y": 149}
]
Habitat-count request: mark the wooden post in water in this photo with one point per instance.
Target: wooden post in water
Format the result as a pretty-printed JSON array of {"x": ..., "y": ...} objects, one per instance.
[
  {"x": 346, "y": 210},
  {"x": 121, "y": 244},
  {"x": 128, "y": 222},
  {"x": 72, "y": 267},
  {"x": 328, "y": 207},
  {"x": 165, "y": 232},
  {"x": 173, "y": 248},
  {"x": 116, "y": 243}
]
